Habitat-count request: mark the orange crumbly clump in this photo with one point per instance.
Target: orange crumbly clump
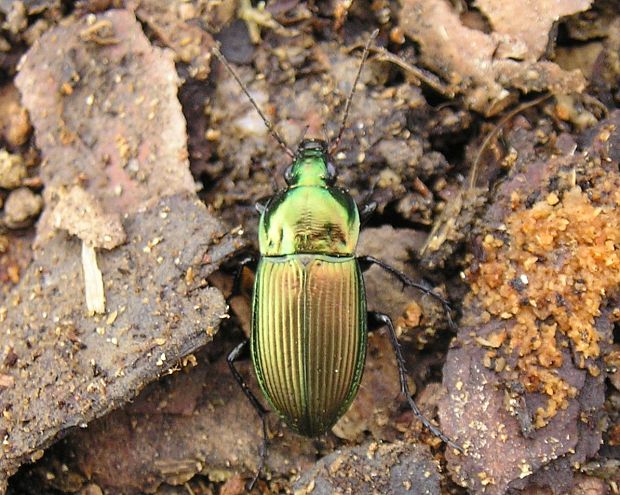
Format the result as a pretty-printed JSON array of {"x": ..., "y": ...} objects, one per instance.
[{"x": 551, "y": 277}]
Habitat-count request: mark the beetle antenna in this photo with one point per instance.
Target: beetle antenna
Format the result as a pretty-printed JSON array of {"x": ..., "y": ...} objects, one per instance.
[
  {"x": 347, "y": 105},
  {"x": 303, "y": 135},
  {"x": 324, "y": 129},
  {"x": 269, "y": 172},
  {"x": 268, "y": 124}
]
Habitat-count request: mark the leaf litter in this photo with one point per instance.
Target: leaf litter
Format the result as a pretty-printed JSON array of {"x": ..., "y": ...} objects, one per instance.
[
  {"x": 68, "y": 368},
  {"x": 109, "y": 125}
]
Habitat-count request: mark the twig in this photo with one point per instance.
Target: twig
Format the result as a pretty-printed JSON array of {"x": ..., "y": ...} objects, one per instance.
[
  {"x": 431, "y": 80},
  {"x": 524, "y": 106}
]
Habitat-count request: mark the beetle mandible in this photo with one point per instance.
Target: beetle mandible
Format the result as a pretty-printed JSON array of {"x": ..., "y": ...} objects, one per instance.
[{"x": 309, "y": 315}]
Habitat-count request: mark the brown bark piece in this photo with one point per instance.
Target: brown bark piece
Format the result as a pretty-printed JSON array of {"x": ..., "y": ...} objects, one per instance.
[
  {"x": 104, "y": 106},
  {"x": 68, "y": 368},
  {"x": 507, "y": 19},
  {"x": 526, "y": 392},
  {"x": 373, "y": 468},
  {"x": 474, "y": 62},
  {"x": 195, "y": 422}
]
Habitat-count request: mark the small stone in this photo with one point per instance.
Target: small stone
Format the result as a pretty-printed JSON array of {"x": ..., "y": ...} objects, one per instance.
[
  {"x": 18, "y": 127},
  {"x": 21, "y": 208},
  {"x": 15, "y": 124},
  {"x": 187, "y": 11},
  {"x": 552, "y": 199},
  {"x": 397, "y": 35},
  {"x": 91, "y": 489},
  {"x": 17, "y": 18},
  {"x": 12, "y": 170},
  {"x": 5, "y": 46}
]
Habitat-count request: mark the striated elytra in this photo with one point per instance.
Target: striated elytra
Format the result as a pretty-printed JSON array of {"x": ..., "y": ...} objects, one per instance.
[{"x": 309, "y": 309}]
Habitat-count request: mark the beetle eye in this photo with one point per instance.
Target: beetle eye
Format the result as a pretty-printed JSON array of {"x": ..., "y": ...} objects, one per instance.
[{"x": 288, "y": 174}]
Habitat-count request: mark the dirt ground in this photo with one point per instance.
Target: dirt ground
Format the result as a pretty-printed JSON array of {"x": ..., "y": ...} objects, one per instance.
[{"x": 486, "y": 131}]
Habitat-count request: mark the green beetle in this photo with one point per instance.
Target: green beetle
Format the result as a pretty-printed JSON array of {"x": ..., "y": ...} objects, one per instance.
[
  {"x": 309, "y": 316},
  {"x": 308, "y": 337}
]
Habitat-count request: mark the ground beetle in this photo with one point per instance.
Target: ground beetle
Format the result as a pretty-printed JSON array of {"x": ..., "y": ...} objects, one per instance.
[{"x": 309, "y": 317}]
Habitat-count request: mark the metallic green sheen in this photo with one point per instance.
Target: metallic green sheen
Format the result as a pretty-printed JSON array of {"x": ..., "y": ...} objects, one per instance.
[
  {"x": 309, "y": 216},
  {"x": 309, "y": 337}
]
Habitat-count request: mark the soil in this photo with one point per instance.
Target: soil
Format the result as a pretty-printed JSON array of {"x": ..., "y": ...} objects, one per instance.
[{"x": 130, "y": 165}]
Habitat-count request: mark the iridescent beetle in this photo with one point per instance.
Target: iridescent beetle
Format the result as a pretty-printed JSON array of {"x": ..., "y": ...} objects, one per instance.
[{"x": 309, "y": 317}]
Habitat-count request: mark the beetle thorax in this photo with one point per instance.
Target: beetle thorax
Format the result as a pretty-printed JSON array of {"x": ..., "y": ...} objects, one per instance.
[{"x": 310, "y": 216}]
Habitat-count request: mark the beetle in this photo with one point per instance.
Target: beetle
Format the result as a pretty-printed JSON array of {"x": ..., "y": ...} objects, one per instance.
[{"x": 309, "y": 314}]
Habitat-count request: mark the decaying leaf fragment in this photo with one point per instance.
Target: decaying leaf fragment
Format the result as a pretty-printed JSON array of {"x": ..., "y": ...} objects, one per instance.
[
  {"x": 510, "y": 28},
  {"x": 486, "y": 67}
]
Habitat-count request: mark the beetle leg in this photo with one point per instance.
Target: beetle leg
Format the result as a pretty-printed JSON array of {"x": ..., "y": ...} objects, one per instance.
[
  {"x": 258, "y": 407},
  {"x": 260, "y": 207},
  {"x": 366, "y": 211},
  {"x": 249, "y": 261},
  {"x": 367, "y": 261},
  {"x": 384, "y": 319}
]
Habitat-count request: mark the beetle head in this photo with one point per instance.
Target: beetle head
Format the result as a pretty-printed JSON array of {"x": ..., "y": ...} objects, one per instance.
[{"x": 312, "y": 165}]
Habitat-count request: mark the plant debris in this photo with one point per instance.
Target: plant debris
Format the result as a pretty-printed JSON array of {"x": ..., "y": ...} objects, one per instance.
[
  {"x": 67, "y": 368},
  {"x": 373, "y": 468},
  {"x": 540, "y": 313},
  {"x": 484, "y": 130},
  {"x": 483, "y": 65}
]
